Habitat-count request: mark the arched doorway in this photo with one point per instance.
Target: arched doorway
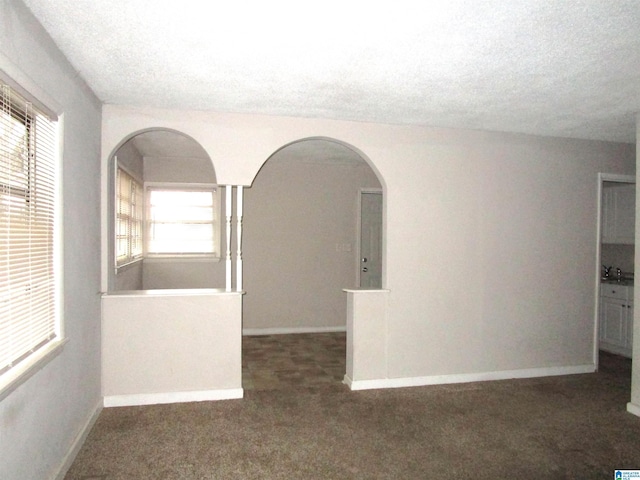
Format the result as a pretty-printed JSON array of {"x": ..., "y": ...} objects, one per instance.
[
  {"x": 300, "y": 250},
  {"x": 152, "y": 162}
]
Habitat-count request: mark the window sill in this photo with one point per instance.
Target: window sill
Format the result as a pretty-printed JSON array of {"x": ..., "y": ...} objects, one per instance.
[
  {"x": 128, "y": 265},
  {"x": 15, "y": 377},
  {"x": 181, "y": 258}
]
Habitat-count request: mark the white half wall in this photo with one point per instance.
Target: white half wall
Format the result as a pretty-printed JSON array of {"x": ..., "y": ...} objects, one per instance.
[{"x": 161, "y": 346}]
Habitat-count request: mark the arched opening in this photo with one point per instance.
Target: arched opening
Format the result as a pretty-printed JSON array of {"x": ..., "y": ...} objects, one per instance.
[
  {"x": 301, "y": 248},
  {"x": 169, "y": 332},
  {"x": 141, "y": 252}
]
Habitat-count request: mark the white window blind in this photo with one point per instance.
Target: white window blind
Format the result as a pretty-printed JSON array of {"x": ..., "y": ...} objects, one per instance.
[
  {"x": 28, "y": 299},
  {"x": 129, "y": 218}
]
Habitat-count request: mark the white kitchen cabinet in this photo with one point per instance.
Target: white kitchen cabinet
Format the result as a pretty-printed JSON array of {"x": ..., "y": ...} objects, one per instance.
[
  {"x": 616, "y": 319},
  {"x": 618, "y": 213}
]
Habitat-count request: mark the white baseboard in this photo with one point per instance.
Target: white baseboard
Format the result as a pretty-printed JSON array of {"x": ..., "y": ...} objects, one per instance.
[
  {"x": 466, "y": 377},
  {"x": 172, "y": 397},
  {"x": 71, "y": 455},
  {"x": 633, "y": 408},
  {"x": 288, "y": 330}
]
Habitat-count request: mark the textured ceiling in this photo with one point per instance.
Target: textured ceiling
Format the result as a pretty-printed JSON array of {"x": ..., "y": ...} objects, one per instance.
[{"x": 567, "y": 68}]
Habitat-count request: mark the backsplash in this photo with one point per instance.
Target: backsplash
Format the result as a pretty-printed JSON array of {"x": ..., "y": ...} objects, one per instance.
[{"x": 621, "y": 256}]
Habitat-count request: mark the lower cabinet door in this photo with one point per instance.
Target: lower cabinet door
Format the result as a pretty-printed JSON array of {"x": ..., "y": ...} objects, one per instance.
[{"x": 613, "y": 322}]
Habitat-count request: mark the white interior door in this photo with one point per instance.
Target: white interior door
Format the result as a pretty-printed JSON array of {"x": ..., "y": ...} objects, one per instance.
[{"x": 371, "y": 239}]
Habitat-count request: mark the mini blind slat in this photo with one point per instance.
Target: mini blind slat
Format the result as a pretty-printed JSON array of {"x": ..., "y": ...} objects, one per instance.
[
  {"x": 129, "y": 218},
  {"x": 28, "y": 206}
]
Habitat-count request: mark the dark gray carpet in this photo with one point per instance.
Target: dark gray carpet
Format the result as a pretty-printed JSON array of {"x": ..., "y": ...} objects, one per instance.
[{"x": 557, "y": 427}]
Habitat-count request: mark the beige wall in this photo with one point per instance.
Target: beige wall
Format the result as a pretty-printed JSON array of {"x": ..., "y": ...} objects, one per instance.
[
  {"x": 299, "y": 242},
  {"x": 490, "y": 238},
  {"x": 43, "y": 419},
  {"x": 178, "y": 170},
  {"x": 161, "y": 347}
]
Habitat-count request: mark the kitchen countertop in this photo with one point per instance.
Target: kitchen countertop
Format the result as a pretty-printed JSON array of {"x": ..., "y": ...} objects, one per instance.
[{"x": 627, "y": 282}]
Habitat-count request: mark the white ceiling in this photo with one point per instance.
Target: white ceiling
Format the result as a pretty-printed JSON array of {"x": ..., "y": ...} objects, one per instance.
[{"x": 567, "y": 68}]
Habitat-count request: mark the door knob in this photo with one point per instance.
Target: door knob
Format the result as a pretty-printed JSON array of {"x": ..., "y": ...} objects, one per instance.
[
  {"x": 364, "y": 260},
  {"x": 365, "y": 269}
]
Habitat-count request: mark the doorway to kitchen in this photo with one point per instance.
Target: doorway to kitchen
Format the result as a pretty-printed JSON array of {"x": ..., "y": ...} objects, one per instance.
[{"x": 613, "y": 331}]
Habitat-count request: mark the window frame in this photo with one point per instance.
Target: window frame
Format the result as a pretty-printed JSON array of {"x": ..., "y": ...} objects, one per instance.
[
  {"x": 48, "y": 156},
  {"x": 135, "y": 219},
  {"x": 212, "y": 188}
]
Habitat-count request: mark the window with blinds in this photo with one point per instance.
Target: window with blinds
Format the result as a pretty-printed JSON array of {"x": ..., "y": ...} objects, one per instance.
[
  {"x": 28, "y": 208},
  {"x": 129, "y": 218},
  {"x": 182, "y": 221}
]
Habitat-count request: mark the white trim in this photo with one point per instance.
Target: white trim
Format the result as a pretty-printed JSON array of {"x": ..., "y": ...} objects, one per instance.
[
  {"x": 348, "y": 382},
  {"x": 68, "y": 459},
  {"x": 466, "y": 377},
  {"x": 216, "y": 220},
  {"x": 16, "y": 376},
  {"x": 228, "y": 190},
  {"x": 167, "y": 292},
  {"x": 614, "y": 177},
  {"x": 239, "y": 215},
  {"x": 598, "y": 274},
  {"x": 172, "y": 397},
  {"x": 288, "y": 330},
  {"x": 634, "y": 409}
]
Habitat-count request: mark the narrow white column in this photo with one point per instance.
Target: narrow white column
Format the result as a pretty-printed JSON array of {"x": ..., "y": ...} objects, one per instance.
[
  {"x": 239, "y": 192},
  {"x": 228, "y": 205}
]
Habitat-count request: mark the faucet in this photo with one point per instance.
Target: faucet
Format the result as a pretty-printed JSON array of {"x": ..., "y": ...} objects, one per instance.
[{"x": 607, "y": 271}]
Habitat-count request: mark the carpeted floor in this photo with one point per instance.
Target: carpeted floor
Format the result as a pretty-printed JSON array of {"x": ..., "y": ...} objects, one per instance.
[
  {"x": 573, "y": 427},
  {"x": 273, "y": 362}
]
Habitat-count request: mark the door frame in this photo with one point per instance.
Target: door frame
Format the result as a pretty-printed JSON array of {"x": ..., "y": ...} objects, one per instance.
[
  {"x": 362, "y": 191},
  {"x": 602, "y": 177}
]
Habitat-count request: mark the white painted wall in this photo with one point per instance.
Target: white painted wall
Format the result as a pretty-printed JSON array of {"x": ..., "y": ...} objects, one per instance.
[
  {"x": 490, "y": 242},
  {"x": 41, "y": 419},
  {"x": 171, "y": 345},
  {"x": 178, "y": 170},
  {"x": 299, "y": 242}
]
